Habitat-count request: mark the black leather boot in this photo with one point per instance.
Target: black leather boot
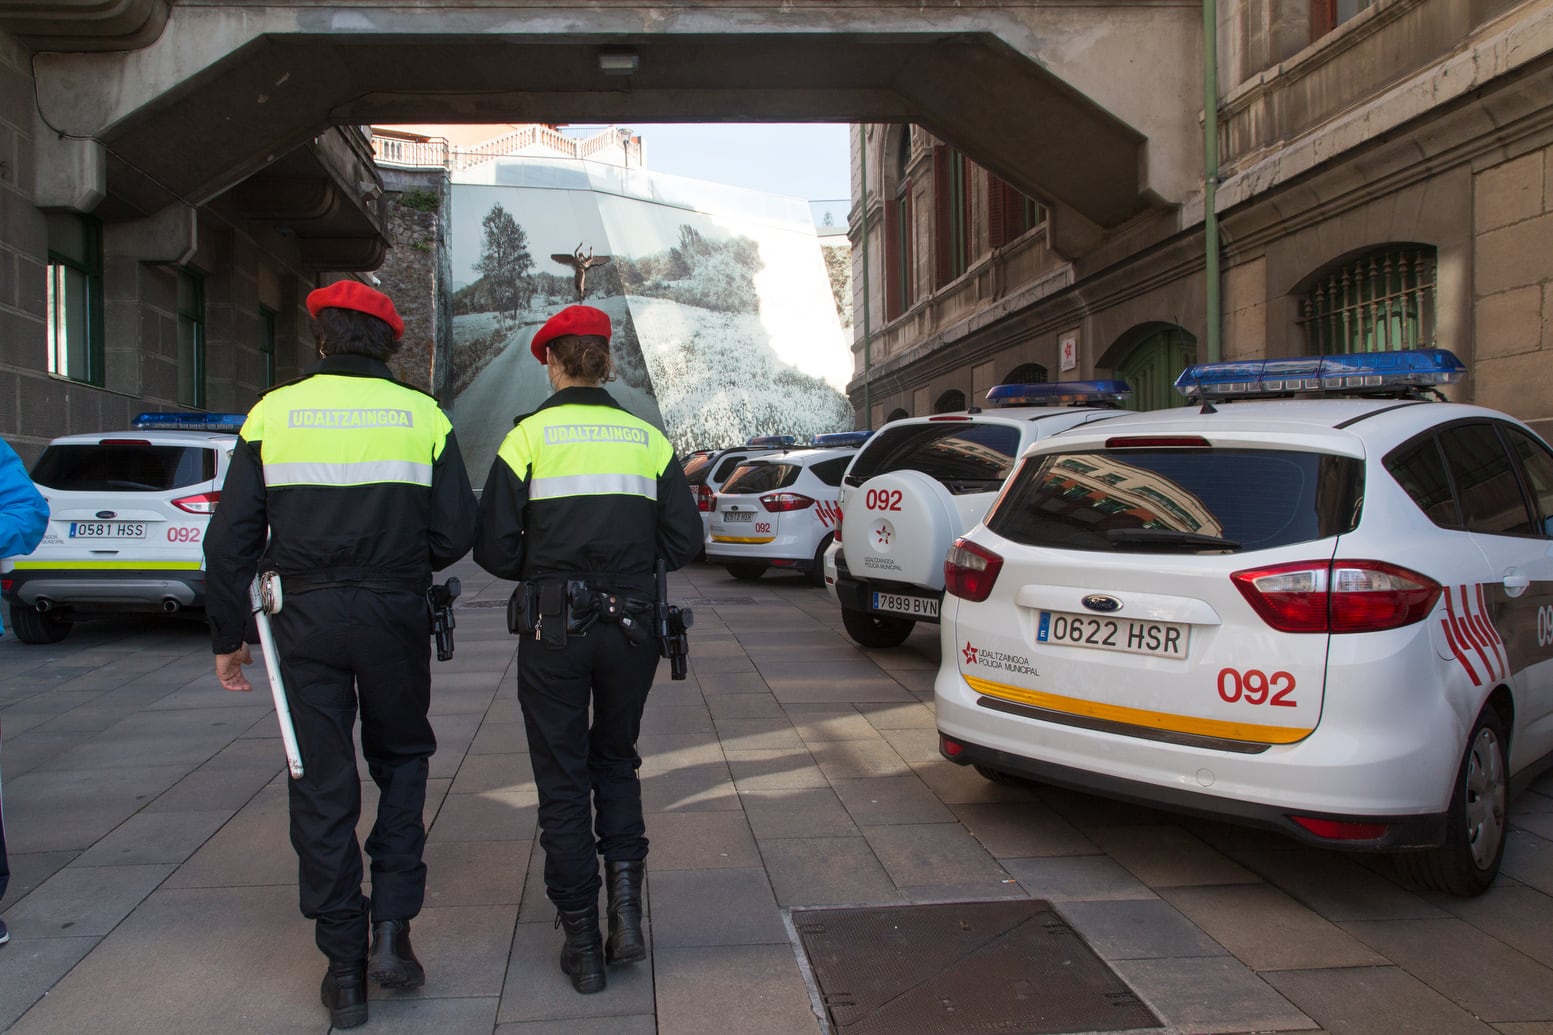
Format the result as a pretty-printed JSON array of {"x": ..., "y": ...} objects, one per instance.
[
  {"x": 626, "y": 943},
  {"x": 392, "y": 962},
  {"x": 344, "y": 992},
  {"x": 582, "y": 957}
]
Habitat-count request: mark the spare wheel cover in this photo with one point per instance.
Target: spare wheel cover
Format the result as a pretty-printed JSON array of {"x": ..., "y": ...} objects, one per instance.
[{"x": 897, "y": 527}]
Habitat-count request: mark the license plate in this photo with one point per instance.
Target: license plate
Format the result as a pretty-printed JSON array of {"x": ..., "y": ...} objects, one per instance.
[
  {"x": 896, "y": 603},
  {"x": 738, "y": 515},
  {"x": 107, "y": 530},
  {"x": 1155, "y": 639}
]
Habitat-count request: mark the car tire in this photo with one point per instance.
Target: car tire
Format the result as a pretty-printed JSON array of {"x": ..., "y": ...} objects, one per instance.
[
  {"x": 873, "y": 630},
  {"x": 1478, "y": 819},
  {"x": 817, "y": 573},
  {"x": 31, "y": 626},
  {"x": 745, "y": 572}
]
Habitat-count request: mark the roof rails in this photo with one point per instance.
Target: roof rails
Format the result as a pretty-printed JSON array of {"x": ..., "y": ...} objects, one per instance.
[
  {"x": 841, "y": 438},
  {"x": 230, "y": 423},
  {"x": 1407, "y": 374},
  {"x": 1061, "y": 393}
]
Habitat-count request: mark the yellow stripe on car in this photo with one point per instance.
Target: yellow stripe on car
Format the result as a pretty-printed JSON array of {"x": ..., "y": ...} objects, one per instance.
[
  {"x": 1248, "y": 732},
  {"x": 742, "y": 539},
  {"x": 99, "y": 565}
]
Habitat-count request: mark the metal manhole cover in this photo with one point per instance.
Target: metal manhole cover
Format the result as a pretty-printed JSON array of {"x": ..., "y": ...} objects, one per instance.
[
  {"x": 719, "y": 601},
  {"x": 961, "y": 968}
]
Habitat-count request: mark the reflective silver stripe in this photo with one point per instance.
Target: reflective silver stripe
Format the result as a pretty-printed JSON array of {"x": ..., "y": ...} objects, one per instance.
[
  {"x": 593, "y": 485},
  {"x": 365, "y": 472}
]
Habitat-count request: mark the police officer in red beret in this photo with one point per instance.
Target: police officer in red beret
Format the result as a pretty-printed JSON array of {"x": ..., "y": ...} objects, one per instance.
[
  {"x": 582, "y": 499},
  {"x": 350, "y": 485}
]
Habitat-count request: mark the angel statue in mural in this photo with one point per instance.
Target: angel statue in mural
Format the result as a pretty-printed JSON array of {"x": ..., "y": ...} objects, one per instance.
[{"x": 580, "y": 265}]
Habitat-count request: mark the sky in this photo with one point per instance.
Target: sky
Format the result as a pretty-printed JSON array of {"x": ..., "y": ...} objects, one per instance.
[{"x": 808, "y": 161}]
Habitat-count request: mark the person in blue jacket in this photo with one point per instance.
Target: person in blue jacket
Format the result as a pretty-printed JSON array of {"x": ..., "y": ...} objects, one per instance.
[{"x": 24, "y": 513}]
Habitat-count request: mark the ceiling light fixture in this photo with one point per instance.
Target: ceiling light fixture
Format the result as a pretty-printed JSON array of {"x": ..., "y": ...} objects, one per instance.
[{"x": 618, "y": 62}]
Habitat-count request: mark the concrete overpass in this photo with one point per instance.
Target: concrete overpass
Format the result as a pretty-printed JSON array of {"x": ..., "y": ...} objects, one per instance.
[{"x": 147, "y": 109}]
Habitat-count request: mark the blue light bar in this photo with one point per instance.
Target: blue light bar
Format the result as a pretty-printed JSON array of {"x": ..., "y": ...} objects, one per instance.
[
  {"x": 1059, "y": 393},
  {"x": 228, "y": 422},
  {"x": 1352, "y": 373},
  {"x": 841, "y": 438},
  {"x": 772, "y": 440}
]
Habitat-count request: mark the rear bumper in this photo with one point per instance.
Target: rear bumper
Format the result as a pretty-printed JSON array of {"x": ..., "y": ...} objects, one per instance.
[
  {"x": 1404, "y": 831},
  {"x": 120, "y": 589},
  {"x": 857, "y": 595}
]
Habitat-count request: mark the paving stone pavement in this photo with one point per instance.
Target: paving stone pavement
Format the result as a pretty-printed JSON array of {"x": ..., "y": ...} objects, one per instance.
[{"x": 154, "y": 889}]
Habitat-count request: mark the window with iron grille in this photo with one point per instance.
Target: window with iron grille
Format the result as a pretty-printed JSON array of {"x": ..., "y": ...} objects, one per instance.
[{"x": 1382, "y": 301}]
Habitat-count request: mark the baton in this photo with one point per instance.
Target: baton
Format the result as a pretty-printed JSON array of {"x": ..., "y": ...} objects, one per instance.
[{"x": 265, "y": 598}]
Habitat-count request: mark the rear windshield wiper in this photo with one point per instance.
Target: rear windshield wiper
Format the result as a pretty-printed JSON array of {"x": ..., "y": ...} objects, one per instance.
[{"x": 1169, "y": 537}]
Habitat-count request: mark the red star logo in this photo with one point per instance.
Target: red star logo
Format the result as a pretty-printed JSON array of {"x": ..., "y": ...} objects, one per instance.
[
  {"x": 970, "y": 653},
  {"x": 882, "y": 535}
]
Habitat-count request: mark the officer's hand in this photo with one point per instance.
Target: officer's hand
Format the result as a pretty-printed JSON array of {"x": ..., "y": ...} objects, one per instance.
[{"x": 229, "y": 669}]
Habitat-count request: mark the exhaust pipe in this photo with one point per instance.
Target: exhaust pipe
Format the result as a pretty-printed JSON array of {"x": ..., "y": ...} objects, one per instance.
[
  {"x": 170, "y": 606},
  {"x": 43, "y": 605}
]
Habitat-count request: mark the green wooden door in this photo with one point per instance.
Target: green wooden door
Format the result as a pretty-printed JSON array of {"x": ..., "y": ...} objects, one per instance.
[{"x": 1152, "y": 367}]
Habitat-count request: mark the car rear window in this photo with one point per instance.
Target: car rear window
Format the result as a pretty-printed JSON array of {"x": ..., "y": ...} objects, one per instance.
[
  {"x": 758, "y": 476},
  {"x": 1180, "y": 500},
  {"x": 966, "y": 456},
  {"x": 123, "y": 467},
  {"x": 696, "y": 468}
]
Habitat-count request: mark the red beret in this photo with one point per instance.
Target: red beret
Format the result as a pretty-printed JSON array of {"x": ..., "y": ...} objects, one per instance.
[
  {"x": 353, "y": 294},
  {"x": 574, "y": 319}
]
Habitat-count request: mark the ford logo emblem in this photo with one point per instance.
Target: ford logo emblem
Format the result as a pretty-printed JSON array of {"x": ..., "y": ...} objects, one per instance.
[
  {"x": 105, "y": 514},
  {"x": 1102, "y": 603}
]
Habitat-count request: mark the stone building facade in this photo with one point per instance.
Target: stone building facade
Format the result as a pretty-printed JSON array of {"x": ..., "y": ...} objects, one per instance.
[{"x": 1384, "y": 181}]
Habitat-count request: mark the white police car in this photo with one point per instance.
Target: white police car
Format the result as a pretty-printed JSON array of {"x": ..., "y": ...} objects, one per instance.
[
  {"x": 707, "y": 474},
  {"x": 921, "y": 481},
  {"x": 127, "y": 518},
  {"x": 1328, "y": 613},
  {"x": 780, "y": 510}
]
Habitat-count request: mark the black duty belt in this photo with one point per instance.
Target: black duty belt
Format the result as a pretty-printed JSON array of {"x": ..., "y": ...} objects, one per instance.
[{"x": 355, "y": 578}]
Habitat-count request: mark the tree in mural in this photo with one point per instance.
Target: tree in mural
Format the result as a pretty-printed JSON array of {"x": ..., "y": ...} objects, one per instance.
[{"x": 505, "y": 261}]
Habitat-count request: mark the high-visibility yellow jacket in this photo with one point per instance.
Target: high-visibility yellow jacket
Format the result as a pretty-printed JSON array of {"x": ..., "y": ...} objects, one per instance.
[
  {"x": 581, "y": 487},
  {"x": 356, "y": 478}
]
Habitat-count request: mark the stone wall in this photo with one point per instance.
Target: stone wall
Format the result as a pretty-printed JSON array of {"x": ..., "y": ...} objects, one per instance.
[
  {"x": 415, "y": 274},
  {"x": 1513, "y": 286}
]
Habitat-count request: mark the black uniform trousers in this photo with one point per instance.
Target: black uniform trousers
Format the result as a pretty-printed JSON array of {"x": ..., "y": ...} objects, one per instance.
[
  {"x": 341, "y": 647},
  {"x": 590, "y": 802}
]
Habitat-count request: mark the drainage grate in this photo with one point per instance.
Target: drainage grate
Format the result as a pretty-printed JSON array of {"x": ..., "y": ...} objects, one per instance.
[
  {"x": 719, "y": 601},
  {"x": 484, "y": 603},
  {"x": 961, "y": 968}
]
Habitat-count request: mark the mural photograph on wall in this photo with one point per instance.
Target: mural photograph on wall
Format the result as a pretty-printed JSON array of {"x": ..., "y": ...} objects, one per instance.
[{"x": 725, "y": 324}]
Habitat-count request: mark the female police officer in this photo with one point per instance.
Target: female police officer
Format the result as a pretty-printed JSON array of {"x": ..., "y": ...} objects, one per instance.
[{"x": 582, "y": 499}]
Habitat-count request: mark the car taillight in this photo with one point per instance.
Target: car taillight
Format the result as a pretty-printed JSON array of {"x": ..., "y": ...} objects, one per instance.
[
  {"x": 970, "y": 571},
  {"x": 199, "y": 503},
  {"x": 704, "y": 498},
  {"x": 777, "y": 502},
  {"x": 838, "y": 521},
  {"x": 6, "y": 584},
  {"x": 1337, "y": 596}
]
